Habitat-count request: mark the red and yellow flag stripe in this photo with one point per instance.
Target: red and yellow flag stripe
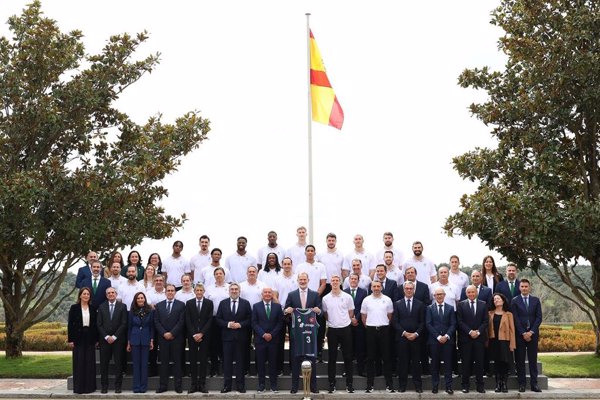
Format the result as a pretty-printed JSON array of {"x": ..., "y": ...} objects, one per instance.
[{"x": 325, "y": 106}]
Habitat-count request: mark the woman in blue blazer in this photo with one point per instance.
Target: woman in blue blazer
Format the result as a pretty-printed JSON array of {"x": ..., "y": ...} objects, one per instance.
[{"x": 140, "y": 342}]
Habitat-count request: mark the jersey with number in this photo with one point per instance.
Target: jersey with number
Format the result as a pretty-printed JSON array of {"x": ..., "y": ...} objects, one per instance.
[{"x": 304, "y": 332}]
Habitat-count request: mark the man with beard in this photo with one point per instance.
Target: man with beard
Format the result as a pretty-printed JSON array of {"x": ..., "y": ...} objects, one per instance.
[
  {"x": 333, "y": 260},
  {"x": 364, "y": 282},
  {"x": 393, "y": 269},
  {"x": 200, "y": 259},
  {"x": 115, "y": 278},
  {"x": 425, "y": 267},
  {"x": 271, "y": 247},
  {"x": 97, "y": 283},
  {"x": 388, "y": 245},
  {"x": 238, "y": 262},
  {"x": 510, "y": 286},
  {"x": 127, "y": 291},
  {"x": 86, "y": 270}
]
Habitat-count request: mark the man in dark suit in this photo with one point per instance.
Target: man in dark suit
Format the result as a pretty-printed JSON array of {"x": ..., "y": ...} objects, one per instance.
[
  {"x": 234, "y": 316},
  {"x": 357, "y": 328},
  {"x": 198, "y": 321},
  {"x": 112, "y": 334},
  {"x": 527, "y": 313},
  {"x": 267, "y": 324},
  {"x": 303, "y": 298},
  {"x": 389, "y": 286},
  {"x": 86, "y": 270},
  {"x": 510, "y": 286},
  {"x": 409, "y": 323},
  {"x": 472, "y": 328},
  {"x": 441, "y": 325},
  {"x": 169, "y": 321},
  {"x": 484, "y": 293},
  {"x": 97, "y": 283}
]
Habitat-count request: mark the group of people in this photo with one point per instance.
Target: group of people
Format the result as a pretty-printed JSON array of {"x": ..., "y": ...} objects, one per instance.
[{"x": 387, "y": 313}]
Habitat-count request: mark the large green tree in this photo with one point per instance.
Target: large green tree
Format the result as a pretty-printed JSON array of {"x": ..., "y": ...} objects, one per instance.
[
  {"x": 75, "y": 172},
  {"x": 538, "y": 194}
]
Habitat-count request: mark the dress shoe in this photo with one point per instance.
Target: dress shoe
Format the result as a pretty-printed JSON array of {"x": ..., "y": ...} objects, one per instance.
[
  {"x": 241, "y": 390},
  {"x": 434, "y": 390},
  {"x": 225, "y": 390},
  {"x": 117, "y": 390},
  {"x": 419, "y": 390},
  {"x": 480, "y": 390},
  {"x": 465, "y": 390},
  {"x": 202, "y": 389},
  {"x": 178, "y": 390},
  {"x": 449, "y": 391},
  {"x": 192, "y": 390},
  {"x": 315, "y": 391},
  {"x": 294, "y": 391},
  {"x": 536, "y": 389},
  {"x": 104, "y": 390},
  {"x": 402, "y": 389},
  {"x": 521, "y": 388},
  {"x": 161, "y": 390}
]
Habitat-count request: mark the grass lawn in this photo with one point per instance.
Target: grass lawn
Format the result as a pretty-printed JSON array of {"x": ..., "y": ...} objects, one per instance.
[
  {"x": 36, "y": 366},
  {"x": 570, "y": 366}
]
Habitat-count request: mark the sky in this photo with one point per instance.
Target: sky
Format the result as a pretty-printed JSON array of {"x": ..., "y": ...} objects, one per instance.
[{"x": 394, "y": 67}]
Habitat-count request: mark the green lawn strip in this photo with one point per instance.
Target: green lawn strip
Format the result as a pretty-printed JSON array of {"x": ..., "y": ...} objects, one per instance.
[
  {"x": 570, "y": 366},
  {"x": 36, "y": 366}
]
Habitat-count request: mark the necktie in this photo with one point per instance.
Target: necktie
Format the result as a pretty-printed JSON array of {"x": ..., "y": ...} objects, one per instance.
[
  {"x": 95, "y": 285},
  {"x": 112, "y": 309},
  {"x": 441, "y": 311},
  {"x": 199, "y": 305},
  {"x": 408, "y": 305},
  {"x": 512, "y": 288},
  {"x": 383, "y": 286},
  {"x": 268, "y": 310},
  {"x": 303, "y": 298},
  {"x": 473, "y": 307},
  {"x": 526, "y": 300},
  {"x": 169, "y": 307},
  {"x": 233, "y": 308},
  {"x": 353, "y": 294}
]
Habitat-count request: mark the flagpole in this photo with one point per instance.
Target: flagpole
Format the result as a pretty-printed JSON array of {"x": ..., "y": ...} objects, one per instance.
[{"x": 310, "y": 182}]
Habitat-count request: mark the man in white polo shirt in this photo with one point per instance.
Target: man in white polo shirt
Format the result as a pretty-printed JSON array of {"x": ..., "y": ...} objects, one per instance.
[
  {"x": 333, "y": 260},
  {"x": 388, "y": 245},
  {"x": 425, "y": 267},
  {"x": 238, "y": 262},
  {"x": 127, "y": 291},
  {"x": 296, "y": 252},
  {"x": 271, "y": 247},
  {"x": 200, "y": 259},
  {"x": 452, "y": 292},
  {"x": 367, "y": 259},
  {"x": 338, "y": 308},
  {"x": 364, "y": 282},
  {"x": 176, "y": 265}
]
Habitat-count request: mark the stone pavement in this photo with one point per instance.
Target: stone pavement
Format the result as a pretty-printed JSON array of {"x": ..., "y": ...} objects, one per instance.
[{"x": 562, "y": 388}]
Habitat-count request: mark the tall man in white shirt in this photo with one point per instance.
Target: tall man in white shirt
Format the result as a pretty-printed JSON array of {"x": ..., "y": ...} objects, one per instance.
[
  {"x": 456, "y": 276},
  {"x": 388, "y": 245},
  {"x": 175, "y": 265},
  {"x": 338, "y": 308},
  {"x": 115, "y": 278},
  {"x": 424, "y": 266},
  {"x": 271, "y": 247},
  {"x": 238, "y": 262},
  {"x": 367, "y": 259},
  {"x": 364, "y": 282},
  {"x": 200, "y": 259},
  {"x": 296, "y": 252},
  {"x": 127, "y": 291},
  {"x": 333, "y": 260},
  {"x": 393, "y": 268}
]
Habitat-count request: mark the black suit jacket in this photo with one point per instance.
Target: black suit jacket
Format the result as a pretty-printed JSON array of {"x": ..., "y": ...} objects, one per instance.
[
  {"x": 359, "y": 296},
  {"x": 312, "y": 299},
  {"x": 243, "y": 315},
  {"x": 527, "y": 319},
  {"x": 100, "y": 296},
  {"x": 115, "y": 327},
  {"x": 504, "y": 288},
  {"x": 75, "y": 324},
  {"x": 468, "y": 322},
  {"x": 173, "y": 322},
  {"x": 261, "y": 324},
  {"x": 413, "y": 321},
  {"x": 82, "y": 273},
  {"x": 485, "y": 294},
  {"x": 421, "y": 293},
  {"x": 437, "y": 326},
  {"x": 198, "y": 322},
  {"x": 391, "y": 290}
]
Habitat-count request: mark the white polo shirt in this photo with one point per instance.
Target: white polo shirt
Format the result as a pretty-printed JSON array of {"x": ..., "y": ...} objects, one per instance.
[
  {"x": 185, "y": 296},
  {"x": 333, "y": 262},
  {"x": 269, "y": 276},
  {"x": 199, "y": 261},
  {"x": 337, "y": 307},
  {"x": 452, "y": 292},
  {"x": 315, "y": 271},
  {"x": 367, "y": 259},
  {"x": 127, "y": 291},
  {"x": 425, "y": 269},
  {"x": 252, "y": 293},
  {"x": 175, "y": 268},
  {"x": 116, "y": 282},
  {"x": 155, "y": 297},
  {"x": 364, "y": 282},
  {"x": 398, "y": 255},
  {"x": 284, "y": 285},
  {"x": 216, "y": 293},
  {"x": 296, "y": 253},
  {"x": 458, "y": 279},
  {"x": 377, "y": 310},
  {"x": 207, "y": 274},
  {"x": 261, "y": 257},
  {"x": 238, "y": 266}
]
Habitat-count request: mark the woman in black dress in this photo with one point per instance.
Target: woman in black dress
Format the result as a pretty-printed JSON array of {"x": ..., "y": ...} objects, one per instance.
[
  {"x": 82, "y": 337},
  {"x": 502, "y": 342}
]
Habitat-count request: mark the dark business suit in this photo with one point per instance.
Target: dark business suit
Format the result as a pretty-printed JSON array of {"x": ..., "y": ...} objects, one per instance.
[
  {"x": 198, "y": 322},
  {"x": 421, "y": 294},
  {"x": 440, "y": 326},
  {"x": 117, "y": 326},
  {"x": 472, "y": 350},
  {"x": 84, "y": 350},
  {"x": 504, "y": 288},
  {"x": 82, "y": 273},
  {"x": 485, "y": 294},
  {"x": 170, "y": 350},
  {"x": 409, "y": 321},
  {"x": 527, "y": 319},
  {"x": 235, "y": 341},
  {"x": 99, "y": 296},
  {"x": 267, "y": 351},
  {"x": 312, "y": 300},
  {"x": 358, "y": 332},
  {"x": 140, "y": 333},
  {"x": 390, "y": 289}
]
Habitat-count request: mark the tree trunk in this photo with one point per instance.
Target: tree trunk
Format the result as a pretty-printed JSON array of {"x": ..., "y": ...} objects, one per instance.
[{"x": 14, "y": 338}]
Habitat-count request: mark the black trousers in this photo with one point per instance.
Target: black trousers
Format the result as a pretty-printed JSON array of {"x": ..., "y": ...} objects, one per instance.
[
  {"x": 359, "y": 346},
  {"x": 531, "y": 350},
  {"x": 198, "y": 361},
  {"x": 216, "y": 348},
  {"x": 336, "y": 336},
  {"x": 378, "y": 347},
  {"x": 170, "y": 350},
  {"x": 108, "y": 351},
  {"x": 234, "y": 351},
  {"x": 267, "y": 352},
  {"x": 409, "y": 357},
  {"x": 441, "y": 352},
  {"x": 472, "y": 358}
]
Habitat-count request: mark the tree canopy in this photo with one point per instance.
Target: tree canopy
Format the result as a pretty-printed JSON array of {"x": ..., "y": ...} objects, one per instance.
[
  {"x": 538, "y": 194},
  {"x": 77, "y": 173}
]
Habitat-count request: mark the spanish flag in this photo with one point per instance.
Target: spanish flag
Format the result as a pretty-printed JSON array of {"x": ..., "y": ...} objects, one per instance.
[{"x": 325, "y": 106}]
